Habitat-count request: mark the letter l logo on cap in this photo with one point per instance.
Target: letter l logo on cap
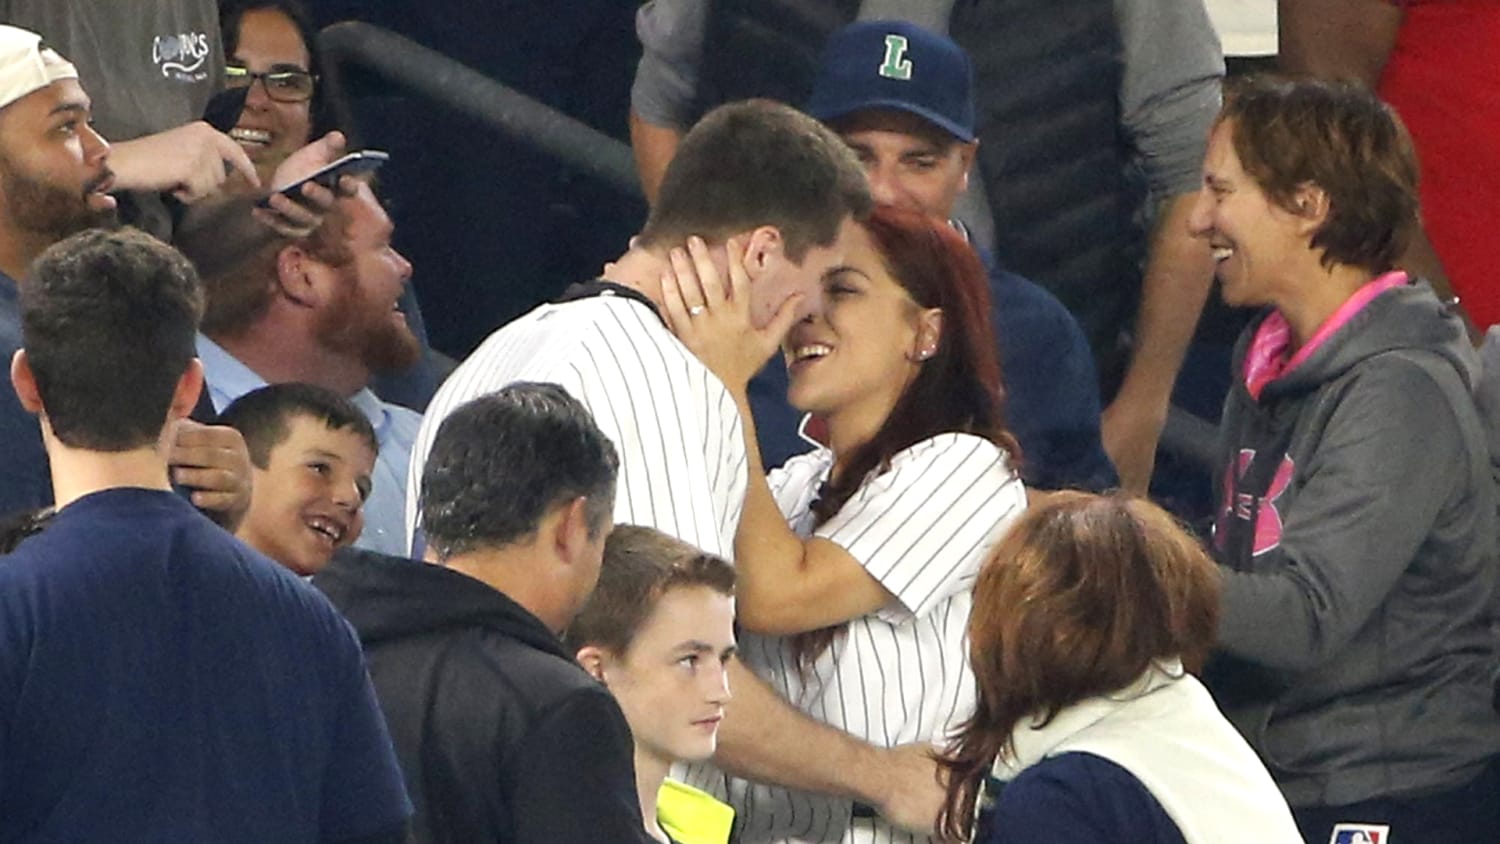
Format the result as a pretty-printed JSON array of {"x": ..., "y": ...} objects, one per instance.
[{"x": 896, "y": 65}]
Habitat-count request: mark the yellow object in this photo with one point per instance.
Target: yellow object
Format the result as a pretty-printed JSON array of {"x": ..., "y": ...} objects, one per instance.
[{"x": 690, "y": 816}]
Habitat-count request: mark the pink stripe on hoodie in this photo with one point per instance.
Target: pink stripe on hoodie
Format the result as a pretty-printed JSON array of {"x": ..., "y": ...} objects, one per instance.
[{"x": 1267, "y": 358}]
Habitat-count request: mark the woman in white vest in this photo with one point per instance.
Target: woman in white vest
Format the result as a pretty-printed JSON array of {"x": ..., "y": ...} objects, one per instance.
[
  {"x": 856, "y": 559},
  {"x": 1088, "y": 725}
]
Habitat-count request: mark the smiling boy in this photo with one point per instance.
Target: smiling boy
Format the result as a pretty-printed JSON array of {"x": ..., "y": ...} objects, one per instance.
[{"x": 313, "y": 454}]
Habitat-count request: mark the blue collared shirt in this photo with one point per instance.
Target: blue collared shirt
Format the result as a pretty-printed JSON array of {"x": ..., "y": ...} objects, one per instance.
[{"x": 395, "y": 430}]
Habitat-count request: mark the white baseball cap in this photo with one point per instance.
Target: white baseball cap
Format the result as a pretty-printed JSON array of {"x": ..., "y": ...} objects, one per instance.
[{"x": 26, "y": 65}]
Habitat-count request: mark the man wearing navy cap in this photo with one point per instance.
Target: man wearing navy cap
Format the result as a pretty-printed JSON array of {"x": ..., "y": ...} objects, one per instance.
[
  {"x": 902, "y": 97},
  {"x": 1093, "y": 123}
]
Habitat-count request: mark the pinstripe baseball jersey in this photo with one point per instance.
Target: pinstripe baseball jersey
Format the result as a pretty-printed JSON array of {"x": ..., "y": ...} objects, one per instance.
[
  {"x": 921, "y": 528},
  {"x": 677, "y": 431}
]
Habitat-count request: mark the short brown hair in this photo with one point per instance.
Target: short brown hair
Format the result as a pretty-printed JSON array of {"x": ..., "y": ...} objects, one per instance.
[
  {"x": 1077, "y": 601},
  {"x": 108, "y": 321},
  {"x": 1340, "y": 137},
  {"x": 238, "y": 296},
  {"x": 757, "y": 163},
  {"x": 640, "y": 566}
]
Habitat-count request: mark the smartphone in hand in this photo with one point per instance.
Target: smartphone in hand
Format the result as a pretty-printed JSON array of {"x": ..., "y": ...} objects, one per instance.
[{"x": 353, "y": 164}]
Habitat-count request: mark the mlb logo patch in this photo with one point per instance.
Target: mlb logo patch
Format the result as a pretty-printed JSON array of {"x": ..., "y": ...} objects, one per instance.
[{"x": 1360, "y": 833}]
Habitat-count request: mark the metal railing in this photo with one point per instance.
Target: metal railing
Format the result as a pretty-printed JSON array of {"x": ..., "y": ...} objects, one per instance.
[
  {"x": 450, "y": 83},
  {"x": 431, "y": 74}
]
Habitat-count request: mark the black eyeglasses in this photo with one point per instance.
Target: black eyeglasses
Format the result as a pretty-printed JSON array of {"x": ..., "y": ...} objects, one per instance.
[{"x": 283, "y": 86}]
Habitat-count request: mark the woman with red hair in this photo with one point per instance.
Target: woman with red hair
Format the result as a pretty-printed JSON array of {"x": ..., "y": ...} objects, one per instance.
[
  {"x": 857, "y": 558},
  {"x": 1089, "y": 727}
]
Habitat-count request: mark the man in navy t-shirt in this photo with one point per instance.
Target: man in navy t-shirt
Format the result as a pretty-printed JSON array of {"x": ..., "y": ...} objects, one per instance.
[{"x": 160, "y": 681}]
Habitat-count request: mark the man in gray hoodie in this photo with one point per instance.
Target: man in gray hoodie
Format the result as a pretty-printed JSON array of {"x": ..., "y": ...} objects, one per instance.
[{"x": 1358, "y": 525}]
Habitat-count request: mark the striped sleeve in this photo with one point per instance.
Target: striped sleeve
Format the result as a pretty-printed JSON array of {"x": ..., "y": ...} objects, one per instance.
[
  {"x": 670, "y": 420},
  {"x": 923, "y": 527},
  {"x": 676, "y": 429}
]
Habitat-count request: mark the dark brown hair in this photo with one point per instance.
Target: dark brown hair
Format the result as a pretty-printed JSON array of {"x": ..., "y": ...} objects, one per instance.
[
  {"x": 1077, "y": 601},
  {"x": 1337, "y": 136},
  {"x": 264, "y": 417},
  {"x": 108, "y": 321},
  {"x": 957, "y": 389},
  {"x": 232, "y": 14},
  {"x": 640, "y": 566},
  {"x": 758, "y": 163}
]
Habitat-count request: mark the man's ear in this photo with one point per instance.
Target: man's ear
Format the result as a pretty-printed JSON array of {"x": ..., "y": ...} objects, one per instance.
[
  {"x": 764, "y": 250},
  {"x": 24, "y": 380},
  {"x": 185, "y": 395},
  {"x": 592, "y": 658},
  {"x": 296, "y": 276},
  {"x": 1311, "y": 206},
  {"x": 966, "y": 153},
  {"x": 572, "y": 529}
]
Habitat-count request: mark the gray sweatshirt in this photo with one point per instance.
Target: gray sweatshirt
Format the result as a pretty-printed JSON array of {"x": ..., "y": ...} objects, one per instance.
[{"x": 1360, "y": 566}]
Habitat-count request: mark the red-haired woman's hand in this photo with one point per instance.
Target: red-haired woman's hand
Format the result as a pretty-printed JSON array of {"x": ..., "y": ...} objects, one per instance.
[{"x": 713, "y": 318}]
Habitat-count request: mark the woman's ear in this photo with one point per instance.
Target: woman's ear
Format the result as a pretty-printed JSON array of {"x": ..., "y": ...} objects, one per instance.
[
  {"x": 929, "y": 333},
  {"x": 1311, "y": 205},
  {"x": 592, "y": 658}
]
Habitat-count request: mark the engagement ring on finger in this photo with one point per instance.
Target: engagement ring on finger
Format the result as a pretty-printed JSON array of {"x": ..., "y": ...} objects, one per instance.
[{"x": 695, "y": 310}]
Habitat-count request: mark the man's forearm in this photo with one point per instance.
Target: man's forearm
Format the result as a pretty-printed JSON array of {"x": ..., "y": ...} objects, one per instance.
[
  {"x": 654, "y": 147},
  {"x": 1338, "y": 38},
  {"x": 763, "y": 738},
  {"x": 1179, "y": 274}
]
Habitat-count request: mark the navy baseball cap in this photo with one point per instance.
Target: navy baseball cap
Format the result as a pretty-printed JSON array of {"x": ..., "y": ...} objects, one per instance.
[{"x": 895, "y": 65}]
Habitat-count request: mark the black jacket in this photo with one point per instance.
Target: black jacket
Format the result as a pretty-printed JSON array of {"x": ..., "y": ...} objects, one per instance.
[{"x": 502, "y": 737}]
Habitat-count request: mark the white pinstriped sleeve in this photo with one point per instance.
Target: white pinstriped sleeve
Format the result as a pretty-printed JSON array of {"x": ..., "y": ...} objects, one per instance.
[
  {"x": 675, "y": 427},
  {"x": 923, "y": 527},
  {"x": 682, "y": 458}
]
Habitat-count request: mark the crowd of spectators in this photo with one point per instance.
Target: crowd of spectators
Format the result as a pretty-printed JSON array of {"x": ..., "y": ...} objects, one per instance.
[{"x": 821, "y": 513}]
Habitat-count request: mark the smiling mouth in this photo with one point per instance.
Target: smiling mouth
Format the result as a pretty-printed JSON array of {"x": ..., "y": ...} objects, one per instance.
[
  {"x": 331, "y": 531},
  {"x": 807, "y": 352},
  {"x": 250, "y": 136},
  {"x": 1222, "y": 253}
]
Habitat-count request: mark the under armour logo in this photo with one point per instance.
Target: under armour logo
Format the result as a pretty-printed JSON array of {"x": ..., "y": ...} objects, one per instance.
[
  {"x": 896, "y": 65},
  {"x": 1241, "y": 505}
]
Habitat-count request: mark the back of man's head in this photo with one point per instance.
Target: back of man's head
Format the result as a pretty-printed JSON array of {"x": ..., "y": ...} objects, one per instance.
[
  {"x": 108, "y": 322},
  {"x": 501, "y": 462},
  {"x": 758, "y": 163}
]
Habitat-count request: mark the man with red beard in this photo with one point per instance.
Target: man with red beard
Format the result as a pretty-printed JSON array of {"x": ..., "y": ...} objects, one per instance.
[
  {"x": 322, "y": 310},
  {"x": 55, "y": 181}
]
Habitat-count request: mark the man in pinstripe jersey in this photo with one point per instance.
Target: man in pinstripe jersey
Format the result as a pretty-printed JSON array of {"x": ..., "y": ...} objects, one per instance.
[{"x": 788, "y": 191}]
